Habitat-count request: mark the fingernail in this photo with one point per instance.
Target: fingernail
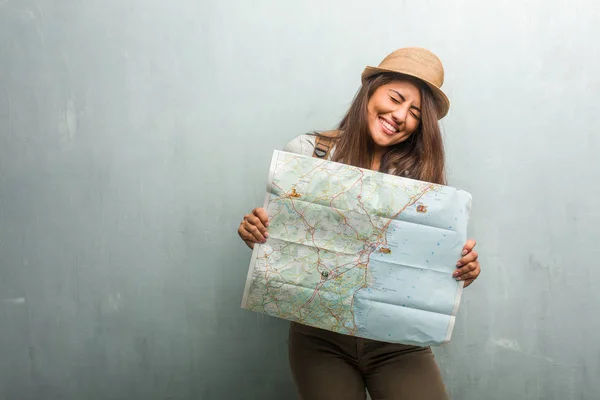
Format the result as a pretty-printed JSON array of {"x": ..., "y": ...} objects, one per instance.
[
  {"x": 458, "y": 264},
  {"x": 455, "y": 274},
  {"x": 464, "y": 253},
  {"x": 266, "y": 234}
]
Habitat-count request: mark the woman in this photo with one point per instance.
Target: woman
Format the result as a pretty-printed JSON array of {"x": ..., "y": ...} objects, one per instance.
[{"x": 392, "y": 127}]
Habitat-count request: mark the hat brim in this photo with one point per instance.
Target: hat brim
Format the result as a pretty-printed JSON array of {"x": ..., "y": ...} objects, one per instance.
[{"x": 442, "y": 101}]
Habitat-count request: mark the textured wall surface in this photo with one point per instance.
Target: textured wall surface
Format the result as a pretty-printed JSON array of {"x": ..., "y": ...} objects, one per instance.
[{"x": 135, "y": 134}]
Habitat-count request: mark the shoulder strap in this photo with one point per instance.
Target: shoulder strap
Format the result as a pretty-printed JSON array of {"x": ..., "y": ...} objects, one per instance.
[{"x": 323, "y": 145}]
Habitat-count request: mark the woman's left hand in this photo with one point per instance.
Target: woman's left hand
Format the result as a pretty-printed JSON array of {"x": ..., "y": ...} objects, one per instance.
[{"x": 468, "y": 266}]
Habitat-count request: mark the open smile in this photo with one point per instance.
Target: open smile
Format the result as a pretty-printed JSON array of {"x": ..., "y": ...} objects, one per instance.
[{"x": 389, "y": 128}]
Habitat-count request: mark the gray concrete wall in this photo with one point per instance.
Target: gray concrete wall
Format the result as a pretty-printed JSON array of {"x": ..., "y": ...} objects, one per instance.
[{"x": 135, "y": 134}]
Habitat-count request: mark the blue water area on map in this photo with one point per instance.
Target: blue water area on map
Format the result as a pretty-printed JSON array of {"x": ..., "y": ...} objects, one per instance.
[{"x": 412, "y": 292}]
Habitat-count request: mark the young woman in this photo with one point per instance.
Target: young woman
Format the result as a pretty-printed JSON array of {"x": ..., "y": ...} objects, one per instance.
[{"x": 391, "y": 127}]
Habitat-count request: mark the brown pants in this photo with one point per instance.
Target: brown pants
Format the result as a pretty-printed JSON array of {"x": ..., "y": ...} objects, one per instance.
[{"x": 330, "y": 366}]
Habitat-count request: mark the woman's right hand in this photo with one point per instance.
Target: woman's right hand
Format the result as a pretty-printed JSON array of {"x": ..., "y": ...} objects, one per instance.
[{"x": 253, "y": 229}]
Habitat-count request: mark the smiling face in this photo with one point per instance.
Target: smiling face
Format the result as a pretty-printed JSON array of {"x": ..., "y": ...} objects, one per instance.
[{"x": 394, "y": 112}]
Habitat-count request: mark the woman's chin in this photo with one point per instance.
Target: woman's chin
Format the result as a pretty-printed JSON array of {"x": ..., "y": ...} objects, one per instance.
[{"x": 383, "y": 140}]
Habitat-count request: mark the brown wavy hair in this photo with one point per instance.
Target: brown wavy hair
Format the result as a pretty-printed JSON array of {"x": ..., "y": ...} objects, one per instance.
[{"x": 421, "y": 156}]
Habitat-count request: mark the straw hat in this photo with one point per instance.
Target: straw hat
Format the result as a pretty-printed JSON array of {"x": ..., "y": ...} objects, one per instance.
[{"x": 419, "y": 63}]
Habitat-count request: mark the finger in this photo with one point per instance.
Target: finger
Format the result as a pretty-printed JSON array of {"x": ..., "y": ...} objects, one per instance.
[
  {"x": 254, "y": 220},
  {"x": 262, "y": 215},
  {"x": 466, "y": 269},
  {"x": 470, "y": 275},
  {"x": 468, "y": 247},
  {"x": 252, "y": 229},
  {"x": 245, "y": 235},
  {"x": 472, "y": 256}
]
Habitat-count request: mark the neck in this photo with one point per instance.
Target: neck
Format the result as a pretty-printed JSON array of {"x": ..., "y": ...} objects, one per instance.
[{"x": 377, "y": 155}]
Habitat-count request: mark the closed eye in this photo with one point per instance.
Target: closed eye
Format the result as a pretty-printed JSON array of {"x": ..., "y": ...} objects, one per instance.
[{"x": 413, "y": 108}]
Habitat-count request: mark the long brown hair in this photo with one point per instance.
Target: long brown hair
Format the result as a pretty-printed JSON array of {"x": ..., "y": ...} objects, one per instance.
[{"x": 421, "y": 156}]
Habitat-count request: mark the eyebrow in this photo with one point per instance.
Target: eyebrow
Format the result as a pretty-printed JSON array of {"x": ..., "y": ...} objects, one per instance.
[{"x": 404, "y": 99}]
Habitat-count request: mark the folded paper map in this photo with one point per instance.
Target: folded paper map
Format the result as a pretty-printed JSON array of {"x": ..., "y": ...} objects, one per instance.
[{"x": 359, "y": 252}]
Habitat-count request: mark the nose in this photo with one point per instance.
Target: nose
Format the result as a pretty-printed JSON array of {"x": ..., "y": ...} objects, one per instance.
[{"x": 399, "y": 115}]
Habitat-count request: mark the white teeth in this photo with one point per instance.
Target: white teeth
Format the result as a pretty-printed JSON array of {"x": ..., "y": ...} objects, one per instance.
[{"x": 387, "y": 125}]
